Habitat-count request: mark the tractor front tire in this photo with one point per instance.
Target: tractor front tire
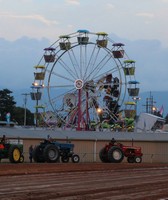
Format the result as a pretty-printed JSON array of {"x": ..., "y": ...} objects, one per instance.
[
  {"x": 103, "y": 156},
  {"x": 75, "y": 158},
  {"x": 115, "y": 155},
  {"x": 14, "y": 154},
  {"x": 21, "y": 159},
  {"x": 51, "y": 153},
  {"x": 137, "y": 159}
]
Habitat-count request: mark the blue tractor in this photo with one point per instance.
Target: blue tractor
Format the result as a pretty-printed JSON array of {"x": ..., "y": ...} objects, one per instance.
[{"x": 53, "y": 151}]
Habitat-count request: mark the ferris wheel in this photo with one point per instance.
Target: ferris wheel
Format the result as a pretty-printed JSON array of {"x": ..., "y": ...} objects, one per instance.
[{"x": 84, "y": 78}]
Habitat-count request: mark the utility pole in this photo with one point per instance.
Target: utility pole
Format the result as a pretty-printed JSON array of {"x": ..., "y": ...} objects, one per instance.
[
  {"x": 25, "y": 103},
  {"x": 150, "y": 104},
  {"x": 136, "y": 99}
]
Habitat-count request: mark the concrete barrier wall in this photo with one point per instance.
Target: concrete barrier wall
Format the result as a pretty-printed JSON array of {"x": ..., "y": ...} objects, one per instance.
[{"x": 154, "y": 152}]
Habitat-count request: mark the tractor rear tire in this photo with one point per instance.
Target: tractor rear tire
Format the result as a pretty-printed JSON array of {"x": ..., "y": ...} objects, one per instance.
[
  {"x": 75, "y": 158},
  {"x": 115, "y": 154},
  {"x": 103, "y": 156},
  {"x": 38, "y": 154},
  {"x": 14, "y": 154},
  {"x": 51, "y": 153}
]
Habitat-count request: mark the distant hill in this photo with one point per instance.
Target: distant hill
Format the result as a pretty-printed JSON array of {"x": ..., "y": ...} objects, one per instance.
[{"x": 18, "y": 58}]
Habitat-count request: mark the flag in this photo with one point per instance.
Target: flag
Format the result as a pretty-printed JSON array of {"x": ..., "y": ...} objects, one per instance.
[{"x": 161, "y": 110}]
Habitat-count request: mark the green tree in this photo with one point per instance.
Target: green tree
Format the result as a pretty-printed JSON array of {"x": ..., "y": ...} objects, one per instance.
[
  {"x": 7, "y": 103},
  {"x": 18, "y": 116}
]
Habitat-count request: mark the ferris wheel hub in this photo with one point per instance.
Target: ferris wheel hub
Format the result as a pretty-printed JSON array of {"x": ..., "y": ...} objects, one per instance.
[{"x": 78, "y": 84}]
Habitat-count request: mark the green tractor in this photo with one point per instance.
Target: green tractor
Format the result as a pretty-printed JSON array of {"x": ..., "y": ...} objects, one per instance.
[{"x": 13, "y": 152}]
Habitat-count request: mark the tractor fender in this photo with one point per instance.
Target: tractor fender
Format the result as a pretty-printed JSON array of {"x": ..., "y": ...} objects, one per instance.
[
  {"x": 103, "y": 155},
  {"x": 2, "y": 146}
]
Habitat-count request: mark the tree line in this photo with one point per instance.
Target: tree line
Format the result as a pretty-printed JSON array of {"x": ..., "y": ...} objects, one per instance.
[{"x": 8, "y": 105}]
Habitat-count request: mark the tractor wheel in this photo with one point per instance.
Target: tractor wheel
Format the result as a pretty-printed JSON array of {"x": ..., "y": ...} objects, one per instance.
[
  {"x": 75, "y": 158},
  {"x": 137, "y": 159},
  {"x": 51, "y": 153},
  {"x": 21, "y": 159},
  {"x": 103, "y": 155},
  {"x": 38, "y": 154},
  {"x": 130, "y": 160},
  {"x": 115, "y": 155},
  {"x": 65, "y": 159},
  {"x": 14, "y": 154}
]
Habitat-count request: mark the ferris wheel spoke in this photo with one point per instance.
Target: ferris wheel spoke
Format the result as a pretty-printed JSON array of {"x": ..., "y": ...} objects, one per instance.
[
  {"x": 105, "y": 73},
  {"x": 74, "y": 62},
  {"x": 61, "y": 76},
  {"x": 83, "y": 61},
  {"x": 57, "y": 98},
  {"x": 63, "y": 94},
  {"x": 92, "y": 61},
  {"x": 98, "y": 68},
  {"x": 67, "y": 68},
  {"x": 88, "y": 63},
  {"x": 59, "y": 86}
]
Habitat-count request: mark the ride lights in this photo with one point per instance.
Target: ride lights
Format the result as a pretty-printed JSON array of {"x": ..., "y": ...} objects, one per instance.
[
  {"x": 36, "y": 85},
  {"x": 136, "y": 98},
  {"x": 99, "y": 110}
]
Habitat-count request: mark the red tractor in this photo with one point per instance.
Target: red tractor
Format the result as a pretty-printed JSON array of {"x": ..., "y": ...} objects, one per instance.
[{"x": 114, "y": 153}]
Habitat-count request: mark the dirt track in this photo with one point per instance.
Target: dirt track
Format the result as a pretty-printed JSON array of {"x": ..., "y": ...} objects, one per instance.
[{"x": 83, "y": 181}]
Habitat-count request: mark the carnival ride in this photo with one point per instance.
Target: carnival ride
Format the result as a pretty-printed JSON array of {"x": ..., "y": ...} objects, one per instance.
[{"x": 84, "y": 79}]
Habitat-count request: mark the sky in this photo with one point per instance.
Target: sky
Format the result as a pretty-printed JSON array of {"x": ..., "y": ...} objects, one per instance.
[
  {"x": 142, "y": 25},
  {"x": 131, "y": 19}
]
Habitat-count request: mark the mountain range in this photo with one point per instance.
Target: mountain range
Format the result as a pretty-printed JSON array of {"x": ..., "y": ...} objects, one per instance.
[
  {"x": 159, "y": 98},
  {"x": 18, "y": 58}
]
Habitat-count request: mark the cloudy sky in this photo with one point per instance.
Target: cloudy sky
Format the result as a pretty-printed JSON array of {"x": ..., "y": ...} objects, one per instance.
[
  {"x": 28, "y": 25},
  {"x": 131, "y": 19}
]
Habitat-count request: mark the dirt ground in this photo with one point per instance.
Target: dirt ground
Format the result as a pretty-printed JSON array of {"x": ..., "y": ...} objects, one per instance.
[{"x": 83, "y": 181}]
